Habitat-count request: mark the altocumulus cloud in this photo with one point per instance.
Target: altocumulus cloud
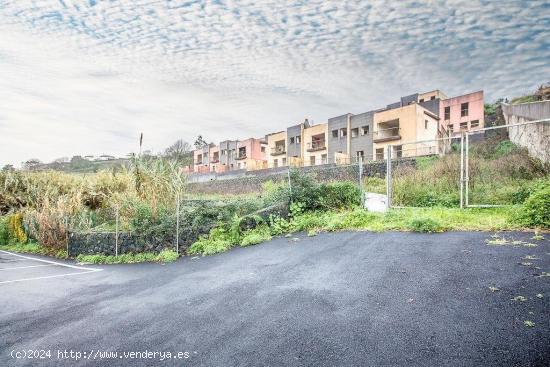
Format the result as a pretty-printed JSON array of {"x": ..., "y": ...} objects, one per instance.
[{"x": 86, "y": 77}]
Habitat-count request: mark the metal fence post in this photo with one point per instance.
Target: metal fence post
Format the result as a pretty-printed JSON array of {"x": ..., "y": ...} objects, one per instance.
[
  {"x": 66, "y": 222},
  {"x": 116, "y": 232},
  {"x": 462, "y": 171},
  {"x": 289, "y": 184},
  {"x": 388, "y": 177},
  {"x": 178, "y": 223},
  {"x": 361, "y": 181},
  {"x": 467, "y": 171}
]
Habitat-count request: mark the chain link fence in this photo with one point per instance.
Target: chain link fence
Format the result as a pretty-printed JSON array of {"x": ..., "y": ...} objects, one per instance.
[{"x": 488, "y": 167}]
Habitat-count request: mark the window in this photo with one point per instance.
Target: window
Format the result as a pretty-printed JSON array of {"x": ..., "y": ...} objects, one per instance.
[
  {"x": 464, "y": 109},
  {"x": 263, "y": 149},
  {"x": 398, "y": 151},
  {"x": 360, "y": 153},
  {"x": 379, "y": 154},
  {"x": 298, "y": 139},
  {"x": 312, "y": 160},
  {"x": 343, "y": 132},
  {"x": 284, "y": 161},
  {"x": 275, "y": 163},
  {"x": 421, "y": 100},
  {"x": 365, "y": 130},
  {"x": 324, "y": 159},
  {"x": 447, "y": 113},
  {"x": 432, "y": 98},
  {"x": 355, "y": 132},
  {"x": 334, "y": 133},
  {"x": 464, "y": 125},
  {"x": 426, "y": 124},
  {"x": 451, "y": 127},
  {"x": 292, "y": 140},
  {"x": 474, "y": 123}
]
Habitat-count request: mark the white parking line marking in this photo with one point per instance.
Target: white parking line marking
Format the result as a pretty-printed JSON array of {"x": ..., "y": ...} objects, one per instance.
[
  {"x": 51, "y": 263},
  {"x": 25, "y": 267},
  {"x": 50, "y": 276}
]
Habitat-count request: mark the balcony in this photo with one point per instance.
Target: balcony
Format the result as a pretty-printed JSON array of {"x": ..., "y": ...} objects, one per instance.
[
  {"x": 387, "y": 134},
  {"x": 278, "y": 150},
  {"x": 240, "y": 157},
  {"x": 316, "y": 145}
]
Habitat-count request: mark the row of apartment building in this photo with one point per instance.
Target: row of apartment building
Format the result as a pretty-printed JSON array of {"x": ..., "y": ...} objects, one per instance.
[{"x": 418, "y": 117}]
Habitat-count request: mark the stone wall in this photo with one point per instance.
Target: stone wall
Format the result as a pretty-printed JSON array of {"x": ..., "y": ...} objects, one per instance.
[{"x": 254, "y": 180}]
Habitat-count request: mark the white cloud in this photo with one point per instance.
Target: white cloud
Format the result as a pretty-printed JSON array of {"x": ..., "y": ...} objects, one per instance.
[{"x": 77, "y": 78}]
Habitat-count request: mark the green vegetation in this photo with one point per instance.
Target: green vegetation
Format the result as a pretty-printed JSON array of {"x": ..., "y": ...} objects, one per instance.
[
  {"x": 41, "y": 207},
  {"x": 164, "y": 256}
]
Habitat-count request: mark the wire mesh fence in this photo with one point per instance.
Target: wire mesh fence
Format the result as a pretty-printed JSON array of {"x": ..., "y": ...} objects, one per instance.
[
  {"x": 424, "y": 173},
  {"x": 498, "y": 166},
  {"x": 484, "y": 168}
]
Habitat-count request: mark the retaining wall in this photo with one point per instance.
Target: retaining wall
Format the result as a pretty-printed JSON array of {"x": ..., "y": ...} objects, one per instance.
[{"x": 253, "y": 180}]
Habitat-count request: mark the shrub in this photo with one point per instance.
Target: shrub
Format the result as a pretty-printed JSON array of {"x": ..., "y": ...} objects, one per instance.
[
  {"x": 358, "y": 218},
  {"x": 217, "y": 241},
  {"x": 16, "y": 231},
  {"x": 340, "y": 195},
  {"x": 4, "y": 234},
  {"x": 167, "y": 256},
  {"x": 536, "y": 209},
  {"x": 256, "y": 236},
  {"x": 163, "y": 256},
  {"x": 305, "y": 190},
  {"x": 426, "y": 225}
]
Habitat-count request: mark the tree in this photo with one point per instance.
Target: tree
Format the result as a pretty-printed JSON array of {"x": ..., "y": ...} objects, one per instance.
[
  {"x": 200, "y": 142},
  {"x": 8, "y": 168},
  {"x": 31, "y": 164},
  {"x": 179, "y": 151}
]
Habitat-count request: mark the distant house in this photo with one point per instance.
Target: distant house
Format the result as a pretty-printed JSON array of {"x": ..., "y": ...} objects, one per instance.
[{"x": 463, "y": 113}]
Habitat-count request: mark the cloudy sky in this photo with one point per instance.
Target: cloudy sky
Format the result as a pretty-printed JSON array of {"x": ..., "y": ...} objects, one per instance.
[{"x": 87, "y": 76}]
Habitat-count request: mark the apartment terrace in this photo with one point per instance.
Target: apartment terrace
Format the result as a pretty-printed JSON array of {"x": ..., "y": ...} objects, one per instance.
[
  {"x": 279, "y": 148},
  {"x": 387, "y": 131}
]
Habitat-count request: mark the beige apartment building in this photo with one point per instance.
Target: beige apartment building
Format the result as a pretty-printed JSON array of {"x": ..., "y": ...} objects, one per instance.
[
  {"x": 315, "y": 139},
  {"x": 405, "y": 124},
  {"x": 276, "y": 149}
]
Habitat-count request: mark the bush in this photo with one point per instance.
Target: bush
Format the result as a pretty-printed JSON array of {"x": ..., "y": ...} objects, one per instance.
[
  {"x": 256, "y": 236},
  {"x": 16, "y": 231},
  {"x": 340, "y": 195},
  {"x": 217, "y": 241},
  {"x": 536, "y": 209},
  {"x": 426, "y": 225},
  {"x": 4, "y": 234},
  {"x": 164, "y": 256}
]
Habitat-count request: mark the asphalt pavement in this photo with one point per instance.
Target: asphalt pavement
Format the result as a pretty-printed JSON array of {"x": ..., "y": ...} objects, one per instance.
[{"x": 336, "y": 299}]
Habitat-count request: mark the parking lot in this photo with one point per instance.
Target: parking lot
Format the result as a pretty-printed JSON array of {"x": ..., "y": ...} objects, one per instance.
[
  {"x": 21, "y": 268},
  {"x": 380, "y": 299}
]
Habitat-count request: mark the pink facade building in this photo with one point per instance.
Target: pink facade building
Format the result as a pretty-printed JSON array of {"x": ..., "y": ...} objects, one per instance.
[
  {"x": 462, "y": 113},
  {"x": 251, "y": 154}
]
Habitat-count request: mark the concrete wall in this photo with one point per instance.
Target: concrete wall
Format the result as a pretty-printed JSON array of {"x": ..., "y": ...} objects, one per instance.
[
  {"x": 227, "y": 154},
  {"x": 362, "y": 142},
  {"x": 535, "y": 137},
  {"x": 294, "y": 149},
  {"x": 530, "y": 111},
  {"x": 339, "y": 144}
]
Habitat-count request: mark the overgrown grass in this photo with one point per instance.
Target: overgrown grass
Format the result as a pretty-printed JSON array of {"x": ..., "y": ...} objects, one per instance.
[
  {"x": 164, "y": 256},
  {"x": 312, "y": 222}
]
